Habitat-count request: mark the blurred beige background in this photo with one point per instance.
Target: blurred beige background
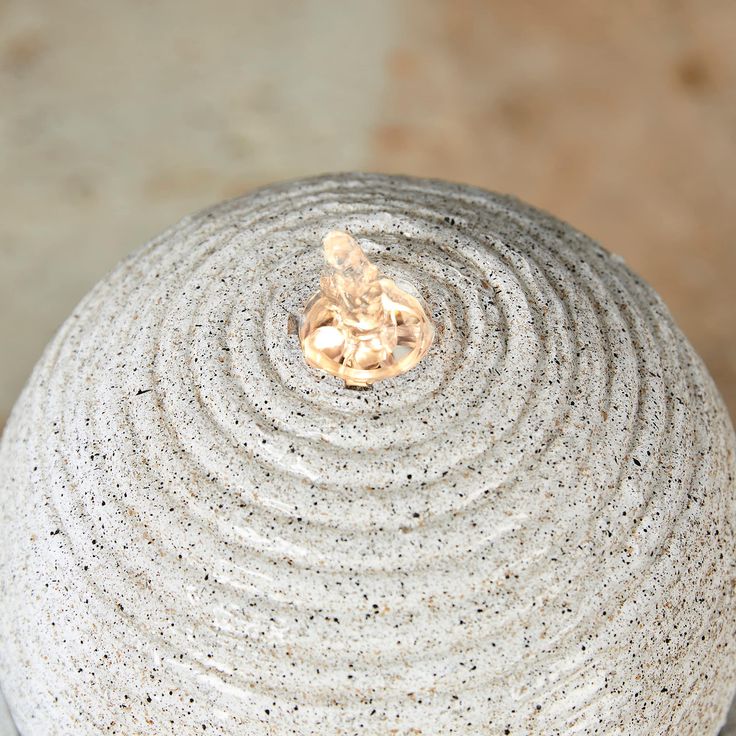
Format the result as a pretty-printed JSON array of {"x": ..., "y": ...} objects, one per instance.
[{"x": 117, "y": 118}]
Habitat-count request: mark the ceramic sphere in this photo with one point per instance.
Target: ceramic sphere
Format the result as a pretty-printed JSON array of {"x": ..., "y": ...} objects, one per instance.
[{"x": 529, "y": 533}]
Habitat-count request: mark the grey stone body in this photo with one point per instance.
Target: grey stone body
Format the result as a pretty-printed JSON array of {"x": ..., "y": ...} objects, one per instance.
[{"x": 530, "y": 533}]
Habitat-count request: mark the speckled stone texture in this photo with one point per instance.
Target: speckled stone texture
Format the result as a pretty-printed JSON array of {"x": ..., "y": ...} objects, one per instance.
[{"x": 530, "y": 533}]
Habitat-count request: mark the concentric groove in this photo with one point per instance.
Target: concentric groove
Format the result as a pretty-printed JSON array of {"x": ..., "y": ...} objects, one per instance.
[{"x": 532, "y": 530}]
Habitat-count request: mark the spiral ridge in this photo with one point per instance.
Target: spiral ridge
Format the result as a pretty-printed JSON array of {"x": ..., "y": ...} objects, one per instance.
[{"x": 532, "y": 532}]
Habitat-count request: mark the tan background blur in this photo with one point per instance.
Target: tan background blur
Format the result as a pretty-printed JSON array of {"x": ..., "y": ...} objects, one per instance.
[{"x": 117, "y": 118}]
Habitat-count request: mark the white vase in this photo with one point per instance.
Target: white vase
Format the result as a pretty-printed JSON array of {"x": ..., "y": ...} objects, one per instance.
[{"x": 529, "y": 533}]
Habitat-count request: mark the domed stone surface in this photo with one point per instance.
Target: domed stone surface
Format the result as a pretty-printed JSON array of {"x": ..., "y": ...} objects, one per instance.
[{"x": 531, "y": 532}]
